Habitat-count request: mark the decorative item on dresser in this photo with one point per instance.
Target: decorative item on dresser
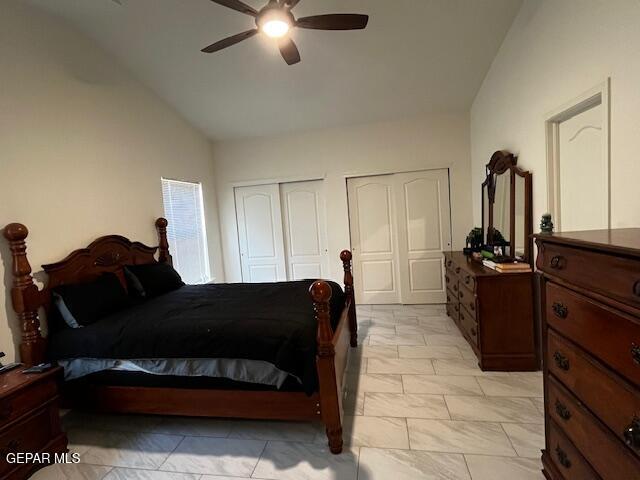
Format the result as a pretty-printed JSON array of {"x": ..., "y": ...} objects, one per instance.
[
  {"x": 494, "y": 312},
  {"x": 29, "y": 419},
  {"x": 590, "y": 302},
  {"x": 493, "y": 309}
]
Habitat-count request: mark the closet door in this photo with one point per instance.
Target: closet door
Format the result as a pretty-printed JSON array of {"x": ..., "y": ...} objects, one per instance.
[
  {"x": 424, "y": 233},
  {"x": 260, "y": 233},
  {"x": 304, "y": 229},
  {"x": 372, "y": 216}
]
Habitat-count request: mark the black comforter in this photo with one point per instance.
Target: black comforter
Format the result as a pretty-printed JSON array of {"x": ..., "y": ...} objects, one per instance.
[{"x": 273, "y": 322}]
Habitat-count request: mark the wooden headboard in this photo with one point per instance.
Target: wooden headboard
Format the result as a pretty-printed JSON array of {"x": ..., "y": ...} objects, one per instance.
[{"x": 106, "y": 254}]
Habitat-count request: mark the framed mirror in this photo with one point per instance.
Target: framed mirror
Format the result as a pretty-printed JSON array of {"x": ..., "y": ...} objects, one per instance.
[{"x": 507, "y": 219}]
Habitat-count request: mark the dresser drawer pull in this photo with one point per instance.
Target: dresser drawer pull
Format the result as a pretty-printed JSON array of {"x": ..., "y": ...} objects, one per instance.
[
  {"x": 473, "y": 332},
  {"x": 632, "y": 433},
  {"x": 560, "y": 310},
  {"x": 455, "y": 288},
  {"x": 556, "y": 262},
  {"x": 456, "y": 308},
  {"x": 457, "y": 269},
  {"x": 472, "y": 306},
  {"x": 561, "y": 361},
  {"x": 563, "y": 458},
  {"x": 461, "y": 294},
  {"x": 562, "y": 410},
  {"x": 447, "y": 279},
  {"x": 467, "y": 280},
  {"x": 635, "y": 353}
]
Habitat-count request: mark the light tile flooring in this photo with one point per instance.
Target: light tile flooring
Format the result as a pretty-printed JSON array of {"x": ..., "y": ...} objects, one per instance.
[{"x": 416, "y": 407}]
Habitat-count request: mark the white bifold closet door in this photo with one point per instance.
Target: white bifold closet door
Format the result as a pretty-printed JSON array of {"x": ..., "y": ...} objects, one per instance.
[
  {"x": 305, "y": 231},
  {"x": 282, "y": 231},
  {"x": 400, "y": 226}
]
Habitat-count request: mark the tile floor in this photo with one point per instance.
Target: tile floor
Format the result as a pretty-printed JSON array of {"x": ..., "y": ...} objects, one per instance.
[{"x": 417, "y": 407}]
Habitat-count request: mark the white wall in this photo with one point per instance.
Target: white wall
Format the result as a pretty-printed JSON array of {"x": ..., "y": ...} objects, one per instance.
[
  {"x": 82, "y": 148},
  {"x": 439, "y": 141},
  {"x": 555, "y": 51}
]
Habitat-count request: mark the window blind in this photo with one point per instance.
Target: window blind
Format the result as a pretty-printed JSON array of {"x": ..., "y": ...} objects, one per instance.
[{"x": 186, "y": 230}]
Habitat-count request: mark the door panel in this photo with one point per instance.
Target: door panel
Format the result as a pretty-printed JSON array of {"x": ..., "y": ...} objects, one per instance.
[
  {"x": 583, "y": 192},
  {"x": 424, "y": 232},
  {"x": 260, "y": 233},
  {"x": 303, "y": 208},
  {"x": 373, "y": 230}
]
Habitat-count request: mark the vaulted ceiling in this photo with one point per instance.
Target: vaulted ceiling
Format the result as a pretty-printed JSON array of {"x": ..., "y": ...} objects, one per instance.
[{"x": 415, "y": 57}]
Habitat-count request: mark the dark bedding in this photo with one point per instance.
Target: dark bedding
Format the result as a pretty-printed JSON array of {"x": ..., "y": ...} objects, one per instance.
[{"x": 272, "y": 322}]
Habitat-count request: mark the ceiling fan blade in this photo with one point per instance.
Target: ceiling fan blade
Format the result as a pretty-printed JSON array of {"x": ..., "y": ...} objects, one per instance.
[
  {"x": 336, "y": 21},
  {"x": 238, "y": 6},
  {"x": 289, "y": 51},
  {"x": 227, "y": 42}
]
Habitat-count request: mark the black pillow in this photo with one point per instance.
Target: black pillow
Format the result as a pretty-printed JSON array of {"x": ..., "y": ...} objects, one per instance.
[
  {"x": 85, "y": 303},
  {"x": 152, "y": 279}
]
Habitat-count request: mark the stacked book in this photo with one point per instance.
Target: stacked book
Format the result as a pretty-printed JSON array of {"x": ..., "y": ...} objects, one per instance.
[{"x": 513, "y": 267}]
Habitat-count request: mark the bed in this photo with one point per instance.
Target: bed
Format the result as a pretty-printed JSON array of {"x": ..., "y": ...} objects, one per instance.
[{"x": 259, "y": 351}]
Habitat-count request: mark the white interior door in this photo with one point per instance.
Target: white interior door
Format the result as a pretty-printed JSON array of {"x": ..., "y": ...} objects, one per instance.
[
  {"x": 372, "y": 216},
  {"x": 424, "y": 232},
  {"x": 305, "y": 229},
  {"x": 583, "y": 172},
  {"x": 260, "y": 233}
]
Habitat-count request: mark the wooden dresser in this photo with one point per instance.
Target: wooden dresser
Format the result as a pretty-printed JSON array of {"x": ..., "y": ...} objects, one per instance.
[
  {"x": 494, "y": 312},
  {"x": 29, "y": 419},
  {"x": 591, "y": 341}
]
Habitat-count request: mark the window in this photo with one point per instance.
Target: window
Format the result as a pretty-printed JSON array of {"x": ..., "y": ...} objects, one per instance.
[{"x": 186, "y": 231}]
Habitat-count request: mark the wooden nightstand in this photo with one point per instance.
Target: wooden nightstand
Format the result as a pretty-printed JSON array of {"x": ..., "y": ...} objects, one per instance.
[{"x": 29, "y": 419}]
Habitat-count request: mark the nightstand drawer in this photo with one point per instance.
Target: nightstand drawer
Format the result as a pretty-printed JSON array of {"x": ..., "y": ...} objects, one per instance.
[
  {"x": 32, "y": 397},
  {"x": 609, "y": 335},
  {"x": 29, "y": 435}
]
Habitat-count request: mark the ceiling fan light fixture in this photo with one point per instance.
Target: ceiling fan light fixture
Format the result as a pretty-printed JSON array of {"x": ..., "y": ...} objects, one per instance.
[{"x": 274, "y": 23}]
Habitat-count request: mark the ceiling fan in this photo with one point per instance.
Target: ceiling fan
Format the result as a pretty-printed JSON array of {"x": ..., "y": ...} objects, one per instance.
[{"x": 276, "y": 20}]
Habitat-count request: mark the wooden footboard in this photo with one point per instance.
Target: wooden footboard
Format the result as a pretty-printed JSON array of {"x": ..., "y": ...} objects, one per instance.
[{"x": 333, "y": 349}]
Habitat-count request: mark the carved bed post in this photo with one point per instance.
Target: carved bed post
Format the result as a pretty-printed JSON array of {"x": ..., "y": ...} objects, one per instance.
[
  {"x": 25, "y": 296},
  {"x": 346, "y": 256},
  {"x": 328, "y": 389},
  {"x": 163, "y": 244}
]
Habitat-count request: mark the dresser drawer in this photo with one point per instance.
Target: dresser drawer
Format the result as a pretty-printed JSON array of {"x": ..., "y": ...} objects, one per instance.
[
  {"x": 20, "y": 403},
  {"x": 469, "y": 325},
  {"x": 613, "y": 402},
  {"x": 610, "y": 335},
  {"x": 467, "y": 280},
  {"x": 450, "y": 279},
  {"x": 613, "y": 276},
  {"x": 606, "y": 454},
  {"x": 467, "y": 299},
  {"x": 566, "y": 456},
  {"x": 29, "y": 435}
]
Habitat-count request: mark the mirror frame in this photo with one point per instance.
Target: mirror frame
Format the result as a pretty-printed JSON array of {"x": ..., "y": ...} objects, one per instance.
[{"x": 503, "y": 162}]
